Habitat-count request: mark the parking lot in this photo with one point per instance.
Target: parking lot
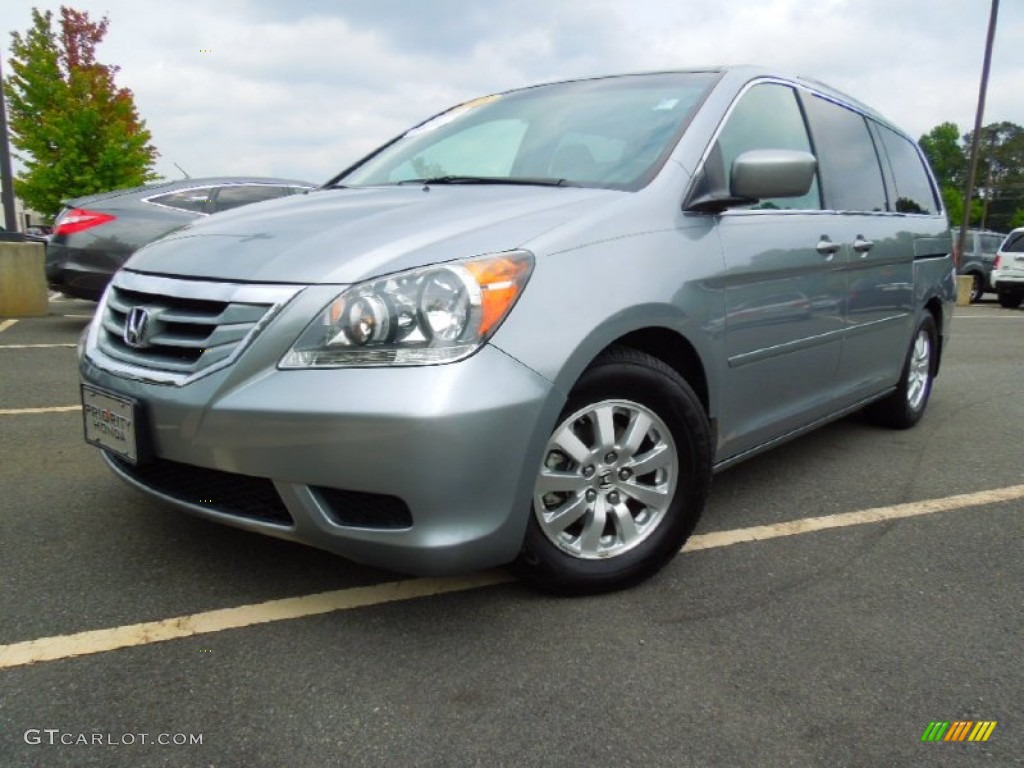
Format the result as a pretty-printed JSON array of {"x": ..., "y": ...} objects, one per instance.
[{"x": 842, "y": 592}]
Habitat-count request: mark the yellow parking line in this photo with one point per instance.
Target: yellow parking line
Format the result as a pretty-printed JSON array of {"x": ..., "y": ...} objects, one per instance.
[
  {"x": 6, "y": 324},
  {"x": 842, "y": 520},
  {"x": 25, "y": 411},
  {"x": 36, "y": 346},
  {"x": 101, "y": 640},
  {"x": 97, "y": 641}
]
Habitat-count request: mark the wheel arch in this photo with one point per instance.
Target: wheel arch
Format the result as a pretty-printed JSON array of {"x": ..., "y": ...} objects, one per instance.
[
  {"x": 676, "y": 351},
  {"x": 934, "y": 307}
]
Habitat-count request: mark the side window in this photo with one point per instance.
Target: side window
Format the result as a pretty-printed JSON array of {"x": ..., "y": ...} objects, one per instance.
[
  {"x": 194, "y": 200},
  {"x": 914, "y": 191},
  {"x": 766, "y": 117},
  {"x": 847, "y": 160},
  {"x": 237, "y": 195}
]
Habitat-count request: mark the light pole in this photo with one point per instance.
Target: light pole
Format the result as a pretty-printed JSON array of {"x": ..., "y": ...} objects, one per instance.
[
  {"x": 979, "y": 116},
  {"x": 6, "y": 177}
]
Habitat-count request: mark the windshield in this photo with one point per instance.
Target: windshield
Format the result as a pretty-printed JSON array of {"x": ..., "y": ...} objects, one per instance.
[{"x": 612, "y": 132}]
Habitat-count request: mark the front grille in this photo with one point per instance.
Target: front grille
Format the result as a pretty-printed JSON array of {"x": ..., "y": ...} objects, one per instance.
[
  {"x": 364, "y": 510},
  {"x": 171, "y": 330},
  {"x": 227, "y": 492},
  {"x": 181, "y": 335}
]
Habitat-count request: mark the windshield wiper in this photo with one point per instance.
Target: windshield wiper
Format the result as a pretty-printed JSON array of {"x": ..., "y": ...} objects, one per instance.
[{"x": 519, "y": 180}]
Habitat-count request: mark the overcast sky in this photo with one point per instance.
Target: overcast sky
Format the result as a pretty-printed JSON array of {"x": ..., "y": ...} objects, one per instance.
[{"x": 302, "y": 88}]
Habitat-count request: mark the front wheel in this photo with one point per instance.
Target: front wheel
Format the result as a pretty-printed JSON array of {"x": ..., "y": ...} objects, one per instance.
[
  {"x": 623, "y": 479},
  {"x": 905, "y": 407}
]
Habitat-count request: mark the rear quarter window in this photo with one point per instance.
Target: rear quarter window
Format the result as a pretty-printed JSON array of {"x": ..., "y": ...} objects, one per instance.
[
  {"x": 193, "y": 200},
  {"x": 1014, "y": 243},
  {"x": 990, "y": 243},
  {"x": 914, "y": 192},
  {"x": 243, "y": 194}
]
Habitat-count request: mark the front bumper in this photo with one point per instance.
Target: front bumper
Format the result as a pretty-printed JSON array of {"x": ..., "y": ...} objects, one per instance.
[{"x": 457, "y": 446}]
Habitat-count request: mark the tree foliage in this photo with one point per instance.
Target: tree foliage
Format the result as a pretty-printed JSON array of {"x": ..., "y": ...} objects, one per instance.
[
  {"x": 999, "y": 182},
  {"x": 942, "y": 147},
  {"x": 1001, "y": 156},
  {"x": 76, "y": 132}
]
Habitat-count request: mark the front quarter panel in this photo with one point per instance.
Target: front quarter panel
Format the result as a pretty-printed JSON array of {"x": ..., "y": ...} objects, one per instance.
[{"x": 581, "y": 300}]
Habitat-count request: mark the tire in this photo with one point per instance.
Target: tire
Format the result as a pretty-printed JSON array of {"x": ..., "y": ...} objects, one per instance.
[
  {"x": 623, "y": 480},
  {"x": 977, "y": 287},
  {"x": 905, "y": 407},
  {"x": 1009, "y": 300}
]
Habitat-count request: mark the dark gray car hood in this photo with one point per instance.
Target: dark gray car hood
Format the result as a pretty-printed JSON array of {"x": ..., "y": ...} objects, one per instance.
[{"x": 346, "y": 235}]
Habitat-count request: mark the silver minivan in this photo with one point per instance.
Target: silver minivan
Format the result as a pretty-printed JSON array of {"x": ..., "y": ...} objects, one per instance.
[{"x": 529, "y": 329}]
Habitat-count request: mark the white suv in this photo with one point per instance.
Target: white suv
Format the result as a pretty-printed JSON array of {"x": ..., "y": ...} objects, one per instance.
[{"x": 1008, "y": 270}]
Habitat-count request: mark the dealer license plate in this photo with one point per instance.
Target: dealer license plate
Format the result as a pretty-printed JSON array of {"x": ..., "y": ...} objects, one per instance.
[{"x": 110, "y": 422}]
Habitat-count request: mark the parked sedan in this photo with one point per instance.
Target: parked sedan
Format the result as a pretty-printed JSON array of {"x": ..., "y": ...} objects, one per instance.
[{"x": 93, "y": 236}]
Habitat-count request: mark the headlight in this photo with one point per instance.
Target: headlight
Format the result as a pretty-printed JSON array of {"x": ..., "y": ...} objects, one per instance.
[{"x": 430, "y": 315}]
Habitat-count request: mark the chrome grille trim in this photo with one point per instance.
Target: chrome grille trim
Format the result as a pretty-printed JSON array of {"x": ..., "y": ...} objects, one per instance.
[{"x": 200, "y": 326}]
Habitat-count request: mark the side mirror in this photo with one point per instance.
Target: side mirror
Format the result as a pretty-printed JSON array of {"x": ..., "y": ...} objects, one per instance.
[
  {"x": 755, "y": 175},
  {"x": 762, "y": 173}
]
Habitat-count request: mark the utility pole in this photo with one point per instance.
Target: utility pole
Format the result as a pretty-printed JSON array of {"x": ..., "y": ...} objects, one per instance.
[
  {"x": 980, "y": 115},
  {"x": 6, "y": 177}
]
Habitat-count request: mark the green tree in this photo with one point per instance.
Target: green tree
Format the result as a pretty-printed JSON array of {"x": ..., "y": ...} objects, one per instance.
[
  {"x": 954, "y": 200},
  {"x": 1001, "y": 155},
  {"x": 77, "y": 132},
  {"x": 941, "y": 145},
  {"x": 1018, "y": 219},
  {"x": 1000, "y": 178}
]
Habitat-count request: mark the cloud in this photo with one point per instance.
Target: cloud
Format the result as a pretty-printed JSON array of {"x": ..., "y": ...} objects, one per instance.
[{"x": 303, "y": 89}]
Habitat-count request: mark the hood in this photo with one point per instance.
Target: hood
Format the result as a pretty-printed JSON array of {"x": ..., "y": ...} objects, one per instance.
[{"x": 347, "y": 235}]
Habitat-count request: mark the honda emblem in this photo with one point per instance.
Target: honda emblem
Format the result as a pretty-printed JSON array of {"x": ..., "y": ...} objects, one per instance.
[{"x": 136, "y": 327}]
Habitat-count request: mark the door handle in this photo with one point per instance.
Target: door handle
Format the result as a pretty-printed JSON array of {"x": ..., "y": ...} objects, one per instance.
[
  {"x": 862, "y": 245},
  {"x": 827, "y": 248}
]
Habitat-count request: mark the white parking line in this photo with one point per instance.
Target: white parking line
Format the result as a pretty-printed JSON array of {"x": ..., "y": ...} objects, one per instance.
[
  {"x": 6, "y": 324},
  {"x": 26, "y": 411},
  {"x": 101, "y": 640}
]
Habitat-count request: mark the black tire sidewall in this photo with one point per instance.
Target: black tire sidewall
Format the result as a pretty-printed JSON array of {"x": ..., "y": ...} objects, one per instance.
[
  {"x": 894, "y": 411},
  {"x": 1009, "y": 300},
  {"x": 913, "y": 415},
  {"x": 977, "y": 287},
  {"x": 642, "y": 380}
]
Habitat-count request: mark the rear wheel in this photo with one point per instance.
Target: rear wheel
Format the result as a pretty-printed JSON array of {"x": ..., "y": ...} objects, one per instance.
[
  {"x": 977, "y": 287},
  {"x": 623, "y": 479},
  {"x": 1009, "y": 300},
  {"x": 905, "y": 407}
]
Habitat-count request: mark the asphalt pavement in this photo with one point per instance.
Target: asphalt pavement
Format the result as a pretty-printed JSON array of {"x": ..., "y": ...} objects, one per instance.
[{"x": 791, "y": 643}]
